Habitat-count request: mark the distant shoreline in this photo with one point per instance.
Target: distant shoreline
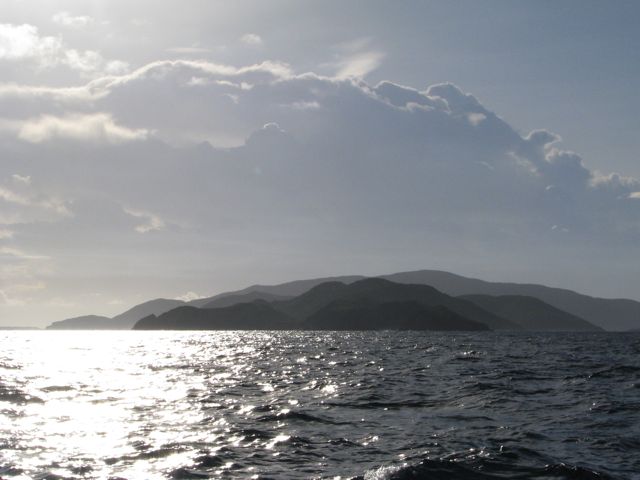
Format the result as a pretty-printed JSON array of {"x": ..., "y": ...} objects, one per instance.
[{"x": 21, "y": 328}]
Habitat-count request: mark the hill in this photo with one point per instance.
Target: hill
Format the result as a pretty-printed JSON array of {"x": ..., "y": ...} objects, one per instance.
[
  {"x": 287, "y": 289},
  {"x": 609, "y": 314},
  {"x": 531, "y": 314},
  {"x": 369, "y": 304},
  {"x": 401, "y": 315},
  {"x": 228, "y": 300},
  {"x": 124, "y": 321},
  {"x": 80, "y": 323},
  {"x": 258, "y": 315},
  {"x": 375, "y": 291}
]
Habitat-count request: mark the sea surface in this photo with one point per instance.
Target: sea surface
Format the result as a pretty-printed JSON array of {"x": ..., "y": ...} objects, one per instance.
[{"x": 375, "y": 405}]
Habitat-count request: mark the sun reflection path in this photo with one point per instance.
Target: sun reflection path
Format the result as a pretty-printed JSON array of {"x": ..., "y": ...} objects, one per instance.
[
  {"x": 142, "y": 404},
  {"x": 156, "y": 405}
]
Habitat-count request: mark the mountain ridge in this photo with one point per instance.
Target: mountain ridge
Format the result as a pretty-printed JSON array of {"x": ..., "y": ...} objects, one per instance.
[
  {"x": 617, "y": 314},
  {"x": 367, "y": 304}
]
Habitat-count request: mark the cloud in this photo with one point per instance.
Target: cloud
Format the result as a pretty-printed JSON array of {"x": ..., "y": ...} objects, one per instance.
[
  {"x": 116, "y": 67},
  {"x": 21, "y": 179},
  {"x": 20, "y": 273},
  {"x": 65, "y": 19},
  {"x": 476, "y": 118},
  {"x": 17, "y": 253},
  {"x": 152, "y": 221},
  {"x": 22, "y": 42},
  {"x": 7, "y": 301},
  {"x": 187, "y": 297},
  {"x": 355, "y": 58},
  {"x": 51, "y": 204},
  {"x": 359, "y": 65},
  {"x": 5, "y": 234},
  {"x": 25, "y": 100},
  {"x": 261, "y": 163},
  {"x": 251, "y": 39},
  {"x": 86, "y": 62},
  {"x": 22, "y": 203},
  {"x": 12, "y": 197},
  {"x": 97, "y": 127}
]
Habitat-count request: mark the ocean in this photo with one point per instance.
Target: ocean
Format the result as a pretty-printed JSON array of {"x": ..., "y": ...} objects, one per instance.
[{"x": 283, "y": 405}]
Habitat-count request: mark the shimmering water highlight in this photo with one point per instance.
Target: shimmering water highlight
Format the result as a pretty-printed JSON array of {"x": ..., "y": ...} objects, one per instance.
[{"x": 151, "y": 405}]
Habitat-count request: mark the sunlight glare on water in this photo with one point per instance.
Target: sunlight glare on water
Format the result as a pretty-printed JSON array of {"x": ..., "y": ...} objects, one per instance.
[{"x": 306, "y": 404}]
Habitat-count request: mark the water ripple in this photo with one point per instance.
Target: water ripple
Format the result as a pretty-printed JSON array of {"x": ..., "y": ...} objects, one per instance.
[{"x": 361, "y": 405}]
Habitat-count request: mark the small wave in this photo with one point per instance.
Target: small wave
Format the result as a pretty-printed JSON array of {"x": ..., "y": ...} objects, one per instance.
[
  {"x": 617, "y": 370},
  {"x": 342, "y": 442},
  {"x": 186, "y": 473},
  {"x": 253, "y": 434},
  {"x": 57, "y": 388},
  {"x": 572, "y": 472},
  {"x": 209, "y": 461},
  {"x": 18, "y": 397},
  {"x": 9, "y": 470},
  {"x": 454, "y": 470},
  {"x": 387, "y": 405},
  {"x": 301, "y": 416},
  {"x": 9, "y": 366},
  {"x": 146, "y": 455}
]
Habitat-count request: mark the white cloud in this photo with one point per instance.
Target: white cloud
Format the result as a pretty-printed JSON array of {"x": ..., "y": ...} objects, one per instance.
[
  {"x": 21, "y": 179},
  {"x": 13, "y": 197},
  {"x": 426, "y": 169},
  {"x": 22, "y": 42},
  {"x": 152, "y": 221},
  {"x": 20, "y": 254},
  {"x": 116, "y": 67},
  {"x": 476, "y": 119},
  {"x": 36, "y": 201},
  {"x": 46, "y": 97},
  {"x": 251, "y": 39},
  {"x": 187, "y": 297},
  {"x": 96, "y": 127},
  {"x": 5, "y": 234},
  {"x": 359, "y": 65},
  {"x": 86, "y": 62},
  {"x": 65, "y": 19}
]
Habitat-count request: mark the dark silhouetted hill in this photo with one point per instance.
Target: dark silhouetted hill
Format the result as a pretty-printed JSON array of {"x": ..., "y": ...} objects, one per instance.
[
  {"x": 609, "y": 314},
  {"x": 400, "y": 315},
  {"x": 531, "y": 314},
  {"x": 80, "y": 323},
  {"x": 287, "y": 289},
  {"x": 369, "y": 304},
  {"x": 124, "y": 321},
  {"x": 376, "y": 291},
  {"x": 229, "y": 300},
  {"x": 257, "y": 315}
]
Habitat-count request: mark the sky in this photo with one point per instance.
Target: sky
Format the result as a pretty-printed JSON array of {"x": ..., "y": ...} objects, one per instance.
[{"x": 180, "y": 149}]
